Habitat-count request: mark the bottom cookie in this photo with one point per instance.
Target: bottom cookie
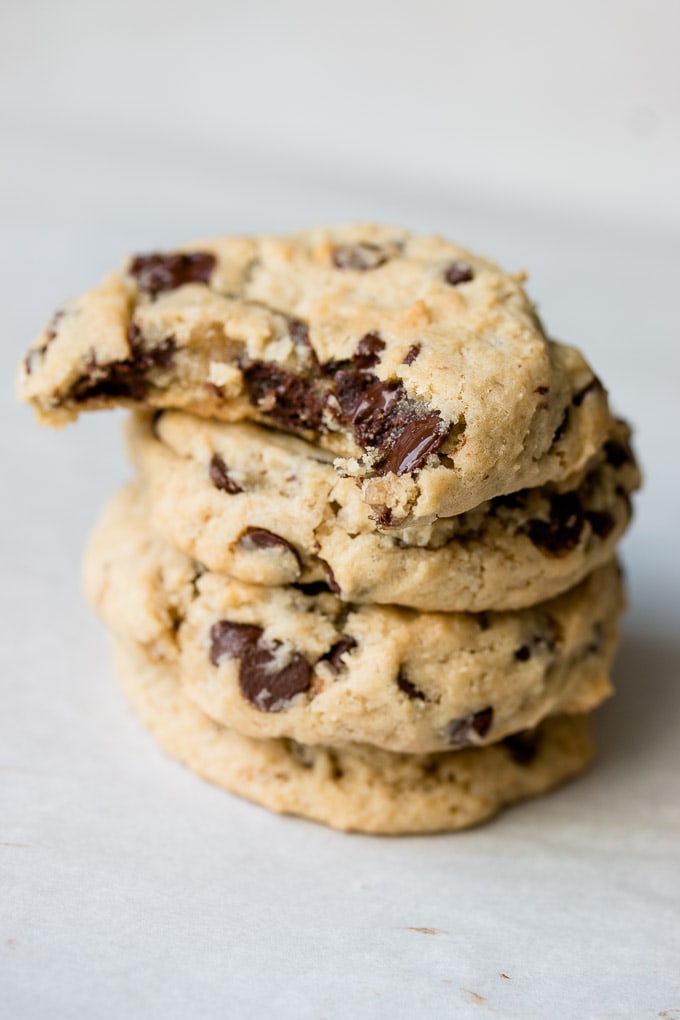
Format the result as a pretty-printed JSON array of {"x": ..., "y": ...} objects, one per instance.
[{"x": 359, "y": 787}]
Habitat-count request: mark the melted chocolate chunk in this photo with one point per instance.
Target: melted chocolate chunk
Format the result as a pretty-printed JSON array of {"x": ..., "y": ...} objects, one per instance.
[
  {"x": 367, "y": 404},
  {"x": 382, "y": 416},
  {"x": 361, "y": 257},
  {"x": 267, "y": 688},
  {"x": 156, "y": 272},
  {"x": 523, "y": 653},
  {"x": 334, "y": 655},
  {"x": 523, "y": 746},
  {"x": 460, "y": 732},
  {"x": 412, "y": 354},
  {"x": 367, "y": 353},
  {"x": 562, "y": 532},
  {"x": 286, "y": 398},
  {"x": 220, "y": 477},
  {"x": 541, "y": 390},
  {"x": 459, "y": 272},
  {"x": 601, "y": 521},
  {"x": 232, "y": 639},
  {"x": 420, "y": 437},
  {"x": 593, "y": 386},
  {"x": 125, "y": 378},
  {"x": 260, "y": 538},
  {"x": 617, "y": 454},
  {"x": 408, "y": 687}
]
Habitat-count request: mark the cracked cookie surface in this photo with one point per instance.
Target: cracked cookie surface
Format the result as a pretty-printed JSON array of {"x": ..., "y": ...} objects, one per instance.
[
  {"x": 267, "y": 508},
  {"x": 420, "y": 366},
  {"x": 274, "y": 662}
]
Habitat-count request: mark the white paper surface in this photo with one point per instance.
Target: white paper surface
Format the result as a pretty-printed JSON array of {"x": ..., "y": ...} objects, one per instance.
[{"x": 129, "y": 888}]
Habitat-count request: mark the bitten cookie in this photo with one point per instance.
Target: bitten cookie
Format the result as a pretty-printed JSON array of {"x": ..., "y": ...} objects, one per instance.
[
  {"x": 354, "y": 788},
  {"x": 272, "y": 662},
  {"x": 422, "y": 367},
  {"x": 267, "y": 508}
]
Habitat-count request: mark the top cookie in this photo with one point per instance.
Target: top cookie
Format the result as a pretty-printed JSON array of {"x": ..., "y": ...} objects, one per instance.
[{"x": 421, "y": 366}]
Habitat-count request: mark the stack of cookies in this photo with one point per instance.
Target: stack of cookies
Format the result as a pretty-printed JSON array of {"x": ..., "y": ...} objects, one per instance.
[{"x": 365, "y": 571}]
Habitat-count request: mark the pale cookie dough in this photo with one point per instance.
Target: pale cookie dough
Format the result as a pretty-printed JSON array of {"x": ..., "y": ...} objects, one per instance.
[
  {"x": 421, "y": 366},
  {"x": 267, "y": 508},
  {"x": 275, "y": 662},
  {"x": 355, "y": 788}
]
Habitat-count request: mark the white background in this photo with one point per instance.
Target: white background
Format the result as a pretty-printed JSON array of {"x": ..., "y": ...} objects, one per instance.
[{"x": 545, "y": 135}]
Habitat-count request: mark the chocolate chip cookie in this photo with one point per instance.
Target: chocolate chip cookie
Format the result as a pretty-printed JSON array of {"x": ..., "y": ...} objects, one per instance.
[
  {"x": 268, "y": 508},
  {"x": 423, "y": 368},
  {"x": 356, "y": 787},
  {"x": 275, "y": 662}
]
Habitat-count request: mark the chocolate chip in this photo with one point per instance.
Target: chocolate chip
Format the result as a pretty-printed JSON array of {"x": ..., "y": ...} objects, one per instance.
[
  {"x": 334, "y": 655},
  {"x": 593, "y": 386},
  {"x": 523, "y": 653},
  {"x": 367, "y": 404},
  {"x": 541, "y": 390},
  {"x": 419, "y": 438},
  {"x": 220, "y": 477},
  {"x": 267, "y": 688},
  {"x": 37, "y": 353},
  {"x": 511, "y": 500},
  {"x": 562, "y": 532},
  {"x": 601, "y": 521},
  {"x": 361, "y": 256},
  {"x": 155, "y": 273},
  {"x": 232, "y": 639},
  {"x": 460, "y": 732},
  {"x": 260, "y": 538},
  {"x": 458, "y": 272},
  {"x": 412, "y": 354},
  {"x": 382, "y": 416},
  {"x": 125, "y": 378},
  {"x": 330, "y": 578},
  {"x": 617, "y": 454},
  {"x": 286, "y": 398},
  {"x": 367, "y": 353},
  {"x": 483, "y": 621},
  {"x": 523, "y": 746},
  {"x": 408, "y": 687}
]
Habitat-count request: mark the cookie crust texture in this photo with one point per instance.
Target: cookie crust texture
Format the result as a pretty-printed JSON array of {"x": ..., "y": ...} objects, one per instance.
[
  {"x": 276, "y": 662},
  {"x": 421, "y": 367},
  {"x": 269, "y": 509},
  {"x": 355, "y": 788}
]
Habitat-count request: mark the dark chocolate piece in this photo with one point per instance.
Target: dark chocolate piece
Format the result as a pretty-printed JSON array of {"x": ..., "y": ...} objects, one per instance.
[
  {"x": 523, "y": 746},
  {"x": 408, "y": 687},
  {"x": 459, "y": 272},
  {"x": 156, "y": 272},
  {"x": 286, "y": 398},
  {"x": 220, "y": 477},
  {"x": 412, "y": 354},
  {"x": 601, "y": 521},
  {"x": 361, "y": 256},
  {"x": 562, "y": 533},
  {"x": 460, "y": 732},
  {"x": 125, "y": 378},
  {"x": 334, "y": 655},
  {"x": 260, "y": 538},
  {"x": 267, "y": 688}
]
